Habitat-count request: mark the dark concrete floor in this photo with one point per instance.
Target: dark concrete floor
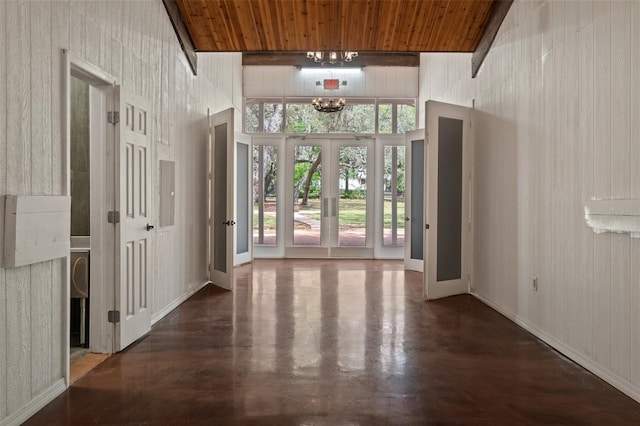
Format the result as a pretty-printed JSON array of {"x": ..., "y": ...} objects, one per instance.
[{"x": 336, "y": 343}]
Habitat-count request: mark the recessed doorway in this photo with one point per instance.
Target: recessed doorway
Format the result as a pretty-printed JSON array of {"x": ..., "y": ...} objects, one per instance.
[
  {"x": 321, "y": 196},
  {"x": 90, "y": 183}
]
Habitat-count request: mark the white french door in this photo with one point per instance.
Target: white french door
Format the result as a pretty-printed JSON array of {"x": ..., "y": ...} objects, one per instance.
[
  {"x": 134, "y": 234},
  {"x": 416, "y": 152},
  {"x": 390, "y": 197},
  {"x": 448, "y": 204},
  {"x": 242, "y": 240},
  {"x": 221, "y": 198},
  {"x": 268, "y": 196},
  {"x": 329, "y": 198}
]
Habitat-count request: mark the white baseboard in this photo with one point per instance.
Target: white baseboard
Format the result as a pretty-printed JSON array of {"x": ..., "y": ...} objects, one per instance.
[
  {"x": 35, "y": 405},
  {"x": 605, "y": 374},
  {"x": 179, "y": 301}
]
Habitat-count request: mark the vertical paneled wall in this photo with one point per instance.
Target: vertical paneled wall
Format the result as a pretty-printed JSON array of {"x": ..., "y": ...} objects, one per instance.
[
  {"x": 3, "y": 189},
  {"x": 393, "y": 82},
  {"x": 556, "y": 124},
  {"x": 135, "y": 42}
]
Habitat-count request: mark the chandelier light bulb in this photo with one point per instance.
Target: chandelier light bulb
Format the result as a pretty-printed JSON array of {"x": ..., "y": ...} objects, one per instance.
[
  {"x": 328, "y": 106},
  {"x": 331, "y": 58}
]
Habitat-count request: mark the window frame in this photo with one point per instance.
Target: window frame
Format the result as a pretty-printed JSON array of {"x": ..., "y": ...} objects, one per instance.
[{"x": 394, "y": 102}]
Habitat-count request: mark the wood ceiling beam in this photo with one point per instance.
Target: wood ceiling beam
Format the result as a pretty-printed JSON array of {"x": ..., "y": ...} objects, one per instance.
[
  {"x": 299, "y": 59},
  {"x": 179, "y": 26},
  {"x": 500, "y": 10}
]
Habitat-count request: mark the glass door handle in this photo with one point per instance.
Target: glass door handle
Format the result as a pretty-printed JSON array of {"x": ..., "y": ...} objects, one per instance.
[
  {"x": 325, "y": 207},
  {"x": 333, "y": 207}
]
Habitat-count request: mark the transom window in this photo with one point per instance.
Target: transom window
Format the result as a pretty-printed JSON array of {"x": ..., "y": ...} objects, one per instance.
[{"x": 360, "y": 115}]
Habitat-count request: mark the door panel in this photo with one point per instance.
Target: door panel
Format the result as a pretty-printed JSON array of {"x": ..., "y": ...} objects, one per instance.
[
  {"x": 268, "y": 192},
  {"x": 309, "y": 206},
  {"x": 135, "y": 236},
  {"x": 352, "y": 214},
  {"x": 393, "y": 224},
  {"x": 222, "y": 219},
  {"x": 243, "y": 251},
  {"x": 351, "y": 198},
  {"x": 415, "y": 151},
  {"x": 447, "y": 263},
  {"x": 390, "y": 192}
]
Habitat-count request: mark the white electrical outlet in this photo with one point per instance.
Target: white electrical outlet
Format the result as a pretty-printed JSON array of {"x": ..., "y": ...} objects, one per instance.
[{"x": 535, "y": 283}]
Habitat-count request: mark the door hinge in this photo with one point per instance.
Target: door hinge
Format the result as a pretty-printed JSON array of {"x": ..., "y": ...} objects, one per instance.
[
  {"x": 113, "y": 217},
  {"x": 113, "y": 316},
  {"x": 113, "y": 117}
]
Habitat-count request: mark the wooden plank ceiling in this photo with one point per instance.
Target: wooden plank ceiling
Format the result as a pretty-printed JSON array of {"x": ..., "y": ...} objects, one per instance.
[{"x": 328, "y": 25}]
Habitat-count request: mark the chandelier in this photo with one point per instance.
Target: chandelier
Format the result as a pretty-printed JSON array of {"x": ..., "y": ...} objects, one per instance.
[
  {"x": 331, "y": 58},
  {"x": 328, "y": 106}
]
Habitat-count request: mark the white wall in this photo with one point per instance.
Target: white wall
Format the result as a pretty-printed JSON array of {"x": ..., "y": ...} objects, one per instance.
[
  {"x": 393, "y": 82},
  {"x": 556, "y": 124},
  {"x": 134, "y": 42}
]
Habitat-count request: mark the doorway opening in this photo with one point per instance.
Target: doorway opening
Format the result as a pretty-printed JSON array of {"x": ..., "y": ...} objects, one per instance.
[
  {"x": 80, "y": 159},
  {"x": 90, "y": 183},
  {"x": 321, "y": 196}
]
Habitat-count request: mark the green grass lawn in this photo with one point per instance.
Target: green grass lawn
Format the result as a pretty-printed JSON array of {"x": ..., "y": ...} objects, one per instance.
[{"x": 352, "y": 213}]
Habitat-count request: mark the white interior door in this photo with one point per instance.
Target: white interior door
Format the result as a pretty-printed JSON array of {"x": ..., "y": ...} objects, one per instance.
[
  {"x": 415, "y": 161},
  {"x": 135, "y": 230},
  {"x": 243, "y": 200},
  {"x": 447, "y": 263},
  {"x": 221, "y": 199}
]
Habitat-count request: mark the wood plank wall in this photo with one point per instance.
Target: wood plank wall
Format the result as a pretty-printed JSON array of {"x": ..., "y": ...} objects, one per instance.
[
  {"x": 392, "y": 82},
  {"x": 3, "y": 190},
  {"x": 556, "y": 125},
  {"x": 134, "y": 42}
]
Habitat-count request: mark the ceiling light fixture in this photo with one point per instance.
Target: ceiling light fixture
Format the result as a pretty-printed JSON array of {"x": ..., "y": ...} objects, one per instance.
[
  {"x": 331, "y": 58},
  {"x": 328, "y": 106}
]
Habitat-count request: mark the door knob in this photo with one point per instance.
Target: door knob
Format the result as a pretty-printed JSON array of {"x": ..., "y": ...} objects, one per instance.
[
  {"x": 229, "y": 223},
  {"x": 149, "y": 227},
  {"x": 406, "y": 219}
]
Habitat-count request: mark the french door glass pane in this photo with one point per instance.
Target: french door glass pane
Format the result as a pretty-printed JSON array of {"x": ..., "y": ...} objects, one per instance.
[
  {"x": 449, "y": 199},
  {"x": 242, "y": 203},
  {"x": 417, "y": 198},
  {"x": 307, "y": 193},
  {"x": 220, "y": 206},
  {"x": 394, "y": 184},
  {"x": 352, "y": 202},
  {"x": 406, "y": 118},
  {"x": 265, "y": 194}
]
